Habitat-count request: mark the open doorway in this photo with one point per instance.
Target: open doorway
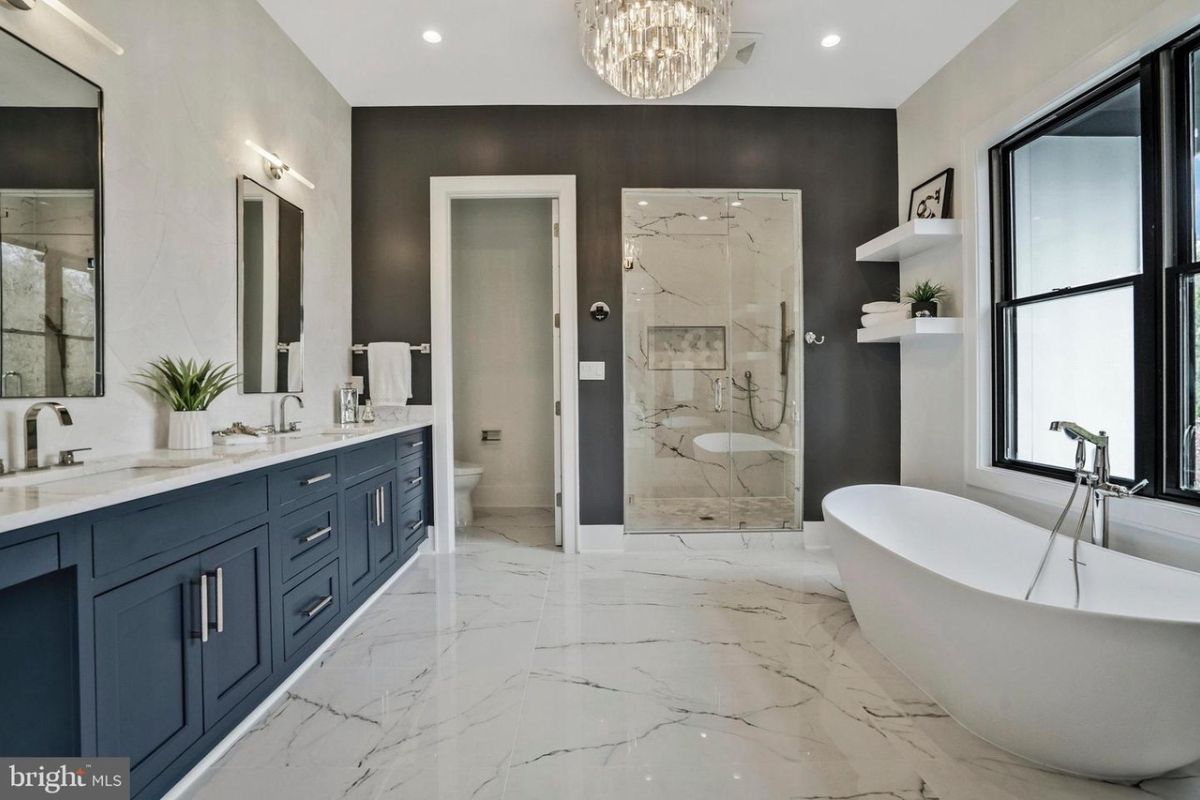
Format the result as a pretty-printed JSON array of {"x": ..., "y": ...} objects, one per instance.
[
  {"x": 504, "y": 346},
  {"x": 505, "y": 429}
]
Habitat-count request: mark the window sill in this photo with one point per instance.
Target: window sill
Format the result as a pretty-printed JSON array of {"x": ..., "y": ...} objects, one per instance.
[{"x": 1141, "y": 513}]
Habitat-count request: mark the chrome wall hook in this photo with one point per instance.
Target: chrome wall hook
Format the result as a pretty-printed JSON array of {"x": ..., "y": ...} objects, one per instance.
[{"x": 812, "y": 338}]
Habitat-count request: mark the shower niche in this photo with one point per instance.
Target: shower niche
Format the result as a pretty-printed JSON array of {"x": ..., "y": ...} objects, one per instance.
[{"x": 713, "y": 389}]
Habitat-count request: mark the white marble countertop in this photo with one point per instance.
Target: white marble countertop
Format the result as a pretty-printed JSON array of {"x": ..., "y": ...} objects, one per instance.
[{"x": 57, "y": 492}]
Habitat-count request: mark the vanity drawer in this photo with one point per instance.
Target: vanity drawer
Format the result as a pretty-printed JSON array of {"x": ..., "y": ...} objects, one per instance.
[
  {"x": 28, "y": 560},
  {"x": 413, "y": 475},
  {"x": 125, "y": 539},
  {"x": 367, "y": 458},
  {"x": 304, "y": 537},
  {"x": 412, "y": 523},
  {"x": 315, "y": 602},
  {"x": 307, "y": 481},
  {"x": 411, "y": 445}
]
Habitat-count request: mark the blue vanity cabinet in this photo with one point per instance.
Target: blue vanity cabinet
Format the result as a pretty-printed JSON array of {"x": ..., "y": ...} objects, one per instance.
[
  {"x": 179, "y": 613},
  {"x": 149, "y": 697},
  {"x": 237, "y": 655}
]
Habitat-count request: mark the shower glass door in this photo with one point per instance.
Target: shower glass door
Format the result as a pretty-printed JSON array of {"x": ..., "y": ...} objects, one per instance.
[{"x": 711, "y": 306}]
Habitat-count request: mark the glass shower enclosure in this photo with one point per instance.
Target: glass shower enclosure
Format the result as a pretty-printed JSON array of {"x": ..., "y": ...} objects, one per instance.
[{"x": 713, "y": 374}]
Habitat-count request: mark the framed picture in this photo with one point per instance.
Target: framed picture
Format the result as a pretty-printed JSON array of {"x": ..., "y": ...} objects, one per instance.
[
  {"x": 686, "y": 346},
  {"x": 931, "y": 200}
]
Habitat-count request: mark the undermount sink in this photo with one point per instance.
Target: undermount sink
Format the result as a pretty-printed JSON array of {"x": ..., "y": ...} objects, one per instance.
[{"x": 98, "y": 476}]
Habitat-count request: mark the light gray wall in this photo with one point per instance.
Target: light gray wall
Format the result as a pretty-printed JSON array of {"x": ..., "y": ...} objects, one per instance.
[
  {"x": 196, "y": 81},
  {"x": 1035, "y": 55},
  {"x": 504, "y": 347}
]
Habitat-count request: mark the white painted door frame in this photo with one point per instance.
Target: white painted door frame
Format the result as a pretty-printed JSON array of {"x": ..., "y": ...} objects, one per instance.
[{"x": 442, "y": 192}]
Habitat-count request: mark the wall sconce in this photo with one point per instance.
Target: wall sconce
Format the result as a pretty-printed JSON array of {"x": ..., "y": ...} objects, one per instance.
[
  {"x": 78, "y": 21},
  {"x": 275, "y": 167}
]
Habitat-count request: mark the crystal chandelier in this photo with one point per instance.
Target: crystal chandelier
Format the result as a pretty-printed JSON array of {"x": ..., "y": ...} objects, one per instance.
[{"x": 651, "y": 49}]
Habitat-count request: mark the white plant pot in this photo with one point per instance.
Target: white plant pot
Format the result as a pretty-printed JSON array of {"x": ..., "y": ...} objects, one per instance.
[{"x": 189, "y": 430}]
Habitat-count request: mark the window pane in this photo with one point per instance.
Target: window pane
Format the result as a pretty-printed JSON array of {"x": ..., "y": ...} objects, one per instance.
[
  {"x": 1076, "y": 199},
  {"x": 1073, "y": 360},
  {"x": 1196, "y": 155},
  {"x": 1190, "y": 461}
]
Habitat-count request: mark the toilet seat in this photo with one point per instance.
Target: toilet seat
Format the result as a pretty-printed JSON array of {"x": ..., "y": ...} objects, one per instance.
[{"x": 467, "y": 468}]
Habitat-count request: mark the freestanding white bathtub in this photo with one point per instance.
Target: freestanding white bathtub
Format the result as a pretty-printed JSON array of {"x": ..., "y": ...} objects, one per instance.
[{"x": 1109, "y": 690}]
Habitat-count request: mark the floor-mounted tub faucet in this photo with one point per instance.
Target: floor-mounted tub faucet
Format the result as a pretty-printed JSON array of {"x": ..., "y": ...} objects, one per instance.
[{"x": 1099, "y": 479}]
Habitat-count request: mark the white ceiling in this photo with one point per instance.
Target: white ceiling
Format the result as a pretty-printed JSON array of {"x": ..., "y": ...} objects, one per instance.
[{"x": 525, "y": 51}]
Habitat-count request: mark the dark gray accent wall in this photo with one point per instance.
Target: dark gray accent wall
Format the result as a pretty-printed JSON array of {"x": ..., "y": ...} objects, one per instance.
[{"x": 842, "y": 160}]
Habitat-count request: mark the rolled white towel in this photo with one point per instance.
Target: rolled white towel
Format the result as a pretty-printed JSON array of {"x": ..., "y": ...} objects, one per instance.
[
  {"x": 871, "y": 320},
  {"x": 883, "y": 307}
]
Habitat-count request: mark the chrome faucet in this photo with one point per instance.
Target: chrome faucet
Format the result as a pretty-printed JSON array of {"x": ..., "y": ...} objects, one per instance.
[
  {"x": 1099, "y": 478},
  {"x": 283, "y": 424},
  {"x": 31, "y": 429}
]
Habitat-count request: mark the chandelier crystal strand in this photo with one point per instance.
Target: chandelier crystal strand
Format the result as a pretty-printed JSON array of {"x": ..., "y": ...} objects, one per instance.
[{"x": 651, "y": 49}]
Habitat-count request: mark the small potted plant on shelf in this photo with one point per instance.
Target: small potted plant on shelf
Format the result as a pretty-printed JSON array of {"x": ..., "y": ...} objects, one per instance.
[
  {"x": 189, "y": 389},
  {"x": 925, "y": 297}
]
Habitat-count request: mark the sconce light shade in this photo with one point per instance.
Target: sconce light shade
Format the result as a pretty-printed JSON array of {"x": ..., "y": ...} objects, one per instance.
[
  {"x": 275, "y": 166},
  {"x": 73, "y": 18}
]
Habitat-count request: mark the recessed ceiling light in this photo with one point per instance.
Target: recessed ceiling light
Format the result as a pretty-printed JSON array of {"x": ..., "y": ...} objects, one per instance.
[
  {"x": 643, "y": 203},
  {"x": 702, "y": 218},
  {"x": 736, "y": 204},
  {"x": 832, "y": 40},
  {"x": 431, "y": 36}
]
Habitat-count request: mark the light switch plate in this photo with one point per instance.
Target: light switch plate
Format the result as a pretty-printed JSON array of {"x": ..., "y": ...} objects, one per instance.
[
  {"x": 591, "y": 370},
  {"x": 357, "y": 382}
]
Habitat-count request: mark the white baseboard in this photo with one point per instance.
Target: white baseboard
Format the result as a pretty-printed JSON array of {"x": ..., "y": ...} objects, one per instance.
[
  {"x": 601, "y": 538},
  {"x": 194, "y": 774}
]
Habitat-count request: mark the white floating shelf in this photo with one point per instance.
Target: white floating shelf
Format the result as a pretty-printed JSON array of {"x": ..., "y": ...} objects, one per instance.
[
  {"x": 910, "y": 239},
  {"x": 923, "y": 326}
]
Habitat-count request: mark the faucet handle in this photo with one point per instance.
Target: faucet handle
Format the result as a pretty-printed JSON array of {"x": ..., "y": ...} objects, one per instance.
[
  {"x": 66, "y": 458},
  {"x": 1137, "y": 487}
]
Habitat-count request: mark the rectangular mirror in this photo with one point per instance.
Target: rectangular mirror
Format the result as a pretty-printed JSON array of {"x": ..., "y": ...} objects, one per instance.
[
  {"x": 270, "y": 291},
  {"x": 51, "y": 259}
]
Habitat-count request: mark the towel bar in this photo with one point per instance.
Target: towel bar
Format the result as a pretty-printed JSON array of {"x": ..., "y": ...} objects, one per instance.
[{"x": 416, "y": 348}]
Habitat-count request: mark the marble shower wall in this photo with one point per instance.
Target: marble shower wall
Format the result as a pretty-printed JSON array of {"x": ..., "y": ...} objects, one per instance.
[
  {"x": 697, "y": 261},
  {"x": 196, "y": 81}
]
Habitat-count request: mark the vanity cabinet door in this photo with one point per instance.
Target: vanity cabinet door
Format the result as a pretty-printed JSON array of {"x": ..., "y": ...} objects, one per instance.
[
  {"x": 385, "y": 541},
  {"x": 149, "y": 700},
  {"x": 361, "y": 509},
  {"x": 237, "y": 655}
]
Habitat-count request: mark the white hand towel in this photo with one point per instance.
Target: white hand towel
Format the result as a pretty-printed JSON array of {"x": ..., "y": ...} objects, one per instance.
[
  {"x": 883, "y": 307},
  {"x": 389, "y": 369},
  {"x": 295, "y": 366},
  {"x": 871, "y": 320}
]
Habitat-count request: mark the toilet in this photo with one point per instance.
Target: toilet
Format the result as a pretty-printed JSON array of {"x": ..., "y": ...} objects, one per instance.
[{"x": 466, "y": 478}]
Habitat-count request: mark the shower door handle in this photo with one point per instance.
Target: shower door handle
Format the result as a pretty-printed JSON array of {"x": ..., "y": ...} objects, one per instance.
[{"x": 719, "y": 395}]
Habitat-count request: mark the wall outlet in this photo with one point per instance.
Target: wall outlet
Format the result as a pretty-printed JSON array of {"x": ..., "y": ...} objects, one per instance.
[
  {"x": 357, "y": 382},
  {"x": 591, "y": 370}
]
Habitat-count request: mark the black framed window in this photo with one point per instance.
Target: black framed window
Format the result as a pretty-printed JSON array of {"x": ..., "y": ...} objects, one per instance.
[{"x": 1096, "y": 277}]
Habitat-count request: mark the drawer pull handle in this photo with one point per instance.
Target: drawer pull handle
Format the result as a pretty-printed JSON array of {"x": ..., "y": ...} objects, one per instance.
[
  {"x": 204, "y": 606},
  {"x": 220, "y": 600},
  {"x": 415, "y": 481},
  {"x": 420, "y": 522},
  {"x": 417, "y": 444},
  {"x": 317, "y": 534},
  {"x": 316, "y": 479},
  {"x": 320, "y": 606}
]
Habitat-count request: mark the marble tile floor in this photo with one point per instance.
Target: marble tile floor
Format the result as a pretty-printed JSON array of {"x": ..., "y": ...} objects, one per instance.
[
  {"x": 510, "y": 670},
  {"x": 711, "y": 513}
]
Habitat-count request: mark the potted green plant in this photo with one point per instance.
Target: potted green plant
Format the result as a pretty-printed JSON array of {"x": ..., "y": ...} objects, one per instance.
[
  {"x": 189, "y": 389},
  {"x": 925, "y": 297}
]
